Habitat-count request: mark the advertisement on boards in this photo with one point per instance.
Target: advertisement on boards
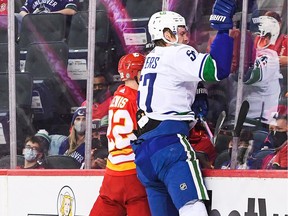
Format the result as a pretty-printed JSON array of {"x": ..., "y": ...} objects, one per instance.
[{"x": 49, "y": 193}]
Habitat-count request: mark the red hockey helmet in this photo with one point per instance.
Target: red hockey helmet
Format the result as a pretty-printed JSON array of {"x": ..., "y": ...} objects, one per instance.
[{"x": 129, "y": 65}]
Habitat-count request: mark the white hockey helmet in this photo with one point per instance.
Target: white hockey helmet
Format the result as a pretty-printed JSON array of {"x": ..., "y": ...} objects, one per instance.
[
  {"x": 164, "y": 19},
  {"x": 269, "y": 25}
]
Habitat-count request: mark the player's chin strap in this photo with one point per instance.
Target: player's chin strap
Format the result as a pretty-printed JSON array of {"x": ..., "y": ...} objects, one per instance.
[{"x": 136, "y": 79}]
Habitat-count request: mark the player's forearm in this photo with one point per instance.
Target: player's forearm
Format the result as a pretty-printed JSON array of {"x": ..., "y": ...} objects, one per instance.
[
  {"x": 222, "y": 53},
  {"x": 221, "y": 20}
]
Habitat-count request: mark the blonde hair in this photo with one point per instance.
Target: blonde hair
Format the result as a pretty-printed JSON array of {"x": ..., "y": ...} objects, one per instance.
[
  {"x": 72, "y": 138},
  {"x": 65, "y": 197}
]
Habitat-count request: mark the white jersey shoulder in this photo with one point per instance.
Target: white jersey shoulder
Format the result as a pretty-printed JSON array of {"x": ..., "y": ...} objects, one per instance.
[{"x": 168, "y": 82}]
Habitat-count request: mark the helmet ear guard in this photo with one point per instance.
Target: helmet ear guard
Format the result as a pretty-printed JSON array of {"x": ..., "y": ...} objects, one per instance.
[
  {"x": 164, "y": 19},
  {"x": 129, "y": 65}
]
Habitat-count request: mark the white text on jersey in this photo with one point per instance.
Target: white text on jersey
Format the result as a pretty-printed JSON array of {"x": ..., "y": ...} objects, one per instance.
[{"x": 118, "y": 101}]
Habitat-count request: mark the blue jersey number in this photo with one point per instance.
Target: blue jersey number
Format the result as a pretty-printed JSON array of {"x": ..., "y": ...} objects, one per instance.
[
  {"x": 148, "y": 80},
  {"x": 191, "y": 54}
]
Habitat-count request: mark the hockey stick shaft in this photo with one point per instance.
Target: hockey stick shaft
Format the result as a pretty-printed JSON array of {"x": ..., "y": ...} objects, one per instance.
[
  {"x": 237, "y": 130},
  {"x": 207, "y": 129}
]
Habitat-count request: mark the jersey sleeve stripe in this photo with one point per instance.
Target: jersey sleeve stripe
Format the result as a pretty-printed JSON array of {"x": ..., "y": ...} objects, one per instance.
[
  {"x": 208, "y": 69},
  {"x": 121, "y": 158},
  {"x": 201, "y": 67},
  {"x": 256, "y": 76}
]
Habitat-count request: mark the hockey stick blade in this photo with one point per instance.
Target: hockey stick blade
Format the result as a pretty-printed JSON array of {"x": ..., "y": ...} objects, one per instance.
[
  {"x": 241, "y": 118},
  {"x": 219, "y": 123}
]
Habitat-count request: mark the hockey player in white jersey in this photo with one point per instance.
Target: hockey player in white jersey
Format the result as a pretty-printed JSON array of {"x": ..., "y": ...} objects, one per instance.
[
  {"x": 165, "y": 161},
  {"x": 262, "y": 80}
]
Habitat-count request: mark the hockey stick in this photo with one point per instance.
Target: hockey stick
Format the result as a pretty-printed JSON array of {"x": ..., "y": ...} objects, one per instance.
[
  {"x": 237, "y": 130},
  {"x": 218, "y": 126},
  {"x": 204, "y": 123}
]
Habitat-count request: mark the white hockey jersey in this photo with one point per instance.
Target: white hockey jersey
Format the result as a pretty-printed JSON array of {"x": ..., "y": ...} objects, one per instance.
[
  {"x": 263, "y": 93},
  {"x": 169, "y": 81}
]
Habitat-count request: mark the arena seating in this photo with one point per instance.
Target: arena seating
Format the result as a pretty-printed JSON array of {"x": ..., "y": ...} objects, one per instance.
[
  {"x": 4, "y": 57},
  {"x": 4, "y": 29},
  {"x": 78, "y": 33},
  {"x": 62, "y": 162},
  {"x": 5, "y": 161},
  {"x": 42, "y": 28},
  {"x": 55, "y": 92},
  {"x": 23, "y": 108}
]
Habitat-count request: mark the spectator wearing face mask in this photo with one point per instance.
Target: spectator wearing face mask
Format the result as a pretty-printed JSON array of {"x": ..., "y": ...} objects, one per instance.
[
  {"x": 74, "y": 145},
  {"x": 278, "y": 159},
  {"x": 33, "y": 153},
  {"x": 102, "y": 97},
  {"x": 279, "y": 135}
]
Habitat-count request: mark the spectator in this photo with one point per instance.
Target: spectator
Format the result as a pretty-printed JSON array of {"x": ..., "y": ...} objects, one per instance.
[
  {"x": 243, "y": 151},
  {"x": 278, "y": 159},
  {"x": 74, "y": 145},
  {"x": 3, "y": 7},
  {"x": 34, "y": 153},
  {"x": 121, "y": 192},
  {"x": 66, "y": 7},
  {"x": 99, "y": 143},
  {"x": 101, "y": 97},
  {"x": 166, "y": 93},
  {"x": 45, "y": 140}
]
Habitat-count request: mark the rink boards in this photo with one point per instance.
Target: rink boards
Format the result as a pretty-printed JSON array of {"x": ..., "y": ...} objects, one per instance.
[{"x": 232, "y": 192}]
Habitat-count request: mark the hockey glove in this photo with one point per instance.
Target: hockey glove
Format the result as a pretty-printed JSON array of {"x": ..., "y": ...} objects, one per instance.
[
  {"x": 222, "y": 14},
  {"x": 200, "y": 105}
]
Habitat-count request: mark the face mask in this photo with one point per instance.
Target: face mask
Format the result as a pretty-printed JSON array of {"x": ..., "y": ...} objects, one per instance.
[
  {"x": 30, "y": 154},
  {"x": 101, "y": 95},
  {"x": 80, "y": 127},
  {"x": 96, "y": 143},
  {"x": 279, "y": 138}
]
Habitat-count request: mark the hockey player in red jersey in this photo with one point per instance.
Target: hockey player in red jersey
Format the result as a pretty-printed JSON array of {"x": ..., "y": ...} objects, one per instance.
[{"x": 121, "y": 192}]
